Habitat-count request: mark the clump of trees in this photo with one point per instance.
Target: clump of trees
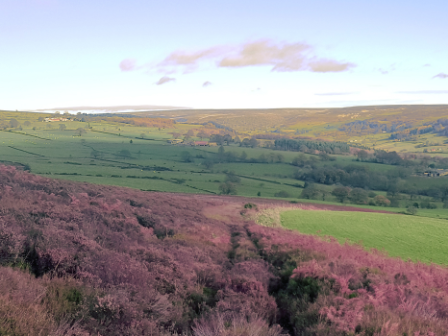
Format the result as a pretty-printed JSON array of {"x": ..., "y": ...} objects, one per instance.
[{"x": 307, "y": 146}]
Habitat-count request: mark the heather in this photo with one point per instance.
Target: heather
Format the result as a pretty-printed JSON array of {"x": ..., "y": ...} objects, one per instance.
[{"x": 81, "y": 259}]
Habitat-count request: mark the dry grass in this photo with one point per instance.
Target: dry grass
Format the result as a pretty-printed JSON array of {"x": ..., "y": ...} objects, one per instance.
[{"x": 269, "y": 215}]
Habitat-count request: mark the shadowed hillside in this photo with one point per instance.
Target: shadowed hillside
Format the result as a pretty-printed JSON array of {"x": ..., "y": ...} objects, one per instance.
[{"x": 81, "y": 259}]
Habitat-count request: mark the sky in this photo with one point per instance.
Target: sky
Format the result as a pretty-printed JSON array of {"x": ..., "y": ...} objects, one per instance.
[{"x": 222, "y": 54}]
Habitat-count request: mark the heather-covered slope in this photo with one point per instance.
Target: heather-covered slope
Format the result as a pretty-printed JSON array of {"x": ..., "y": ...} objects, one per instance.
[{"x": 79, "y": 259}]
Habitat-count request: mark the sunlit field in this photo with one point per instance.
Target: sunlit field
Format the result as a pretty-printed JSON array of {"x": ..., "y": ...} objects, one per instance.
[{"x": 407, "y": 237}]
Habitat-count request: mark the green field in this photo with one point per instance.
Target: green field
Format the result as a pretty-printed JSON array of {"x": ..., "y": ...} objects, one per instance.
[
  {"x": 152, "y": 164},
  {"x": 408, "y": 237}
]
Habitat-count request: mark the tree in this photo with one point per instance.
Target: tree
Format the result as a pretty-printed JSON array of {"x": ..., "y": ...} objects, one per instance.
[
  {"x": 231, "y": 177},
  {"x": 201, "y": 135},
  {"x": 176, "y": 135},
  {"x": 359, "y": 196},
  {"x": 57, "y": 113},
  {"x": 189, "y": 134},
  {"x": 218, "y": 138},
  {"x": 27, "y": 123},
  {"x": 131, "y": 142},
  {"x": 208, "y": 163},
  {"x": 362, "y": 155},
  {"x": 96, "y": 154},
  {"x": 341, "y": 193},
  {"x": 125, "y": 154},
  {"x": 243, "y": 156},
  {"x": 381, "y": 200},
  {"x": 14, "y": 123},
  {"x": 227, "y": 138},
  {"x": 62, "y": 127},
  {"x": 253, "y": 143},
  {"x": 221, "y": 152},
  {"x": 309, "y": 193},
  {"x": 245, "y": 143},
  {"x": 227, "y": 188},
  {"x": 411, "y": 210},
  {"x": 186, "y": 157},
  {"x": 80, "y": 131}
]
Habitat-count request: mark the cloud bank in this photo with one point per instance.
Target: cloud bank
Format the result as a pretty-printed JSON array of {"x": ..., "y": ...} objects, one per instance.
[
  {"x": 128, "y": 64},
  {"x": 335, "y": 93},
  {"x": 164, "y": 80},
  {"x": 441, "y": 75},
  {"x": 425, "y": 92},
  {"x": 279, "y": 56}
]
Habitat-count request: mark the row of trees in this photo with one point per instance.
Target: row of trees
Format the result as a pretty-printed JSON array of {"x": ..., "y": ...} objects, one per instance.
[{"x": 307, "y": 146}]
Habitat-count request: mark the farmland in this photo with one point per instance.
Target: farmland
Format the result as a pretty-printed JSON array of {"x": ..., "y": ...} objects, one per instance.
[
  {"x": 407, "y": 237},
  {"x": 133, "y": 152},
  {"x": 369, "y": 126}
]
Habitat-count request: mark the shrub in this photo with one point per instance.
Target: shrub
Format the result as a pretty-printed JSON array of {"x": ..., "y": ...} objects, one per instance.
[
  {"x": 186, "y": 156},
  {"x": 341, "y": 193},
  {"x": 309, "y": 193},
  {"x": 359, "y": 196},
  {"x": 250, "y": 206},
  {"x": 232, "y": 178},
  {"x": 428, "y": 205},
  {"x": 411, "y": 210},
  {"x": 227, "y": 188}
]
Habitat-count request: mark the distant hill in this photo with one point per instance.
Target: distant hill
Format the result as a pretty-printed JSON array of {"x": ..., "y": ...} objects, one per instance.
[
  {"x": 109, "y": 109},
  {"x": 330, "y": 123}
]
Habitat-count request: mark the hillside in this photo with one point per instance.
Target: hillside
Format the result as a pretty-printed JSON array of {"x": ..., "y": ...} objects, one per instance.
[
  {"x": 82, "y": 259},
  {"x": 323, "y": 122}
]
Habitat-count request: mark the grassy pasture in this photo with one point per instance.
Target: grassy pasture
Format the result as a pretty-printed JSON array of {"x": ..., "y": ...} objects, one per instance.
[
  {"x": 155, "y": 165},
  {"x": 407, "y": 237}
]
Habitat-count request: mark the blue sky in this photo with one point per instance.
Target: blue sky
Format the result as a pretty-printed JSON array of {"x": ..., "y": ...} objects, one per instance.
[{"x": 222, "y": 54}]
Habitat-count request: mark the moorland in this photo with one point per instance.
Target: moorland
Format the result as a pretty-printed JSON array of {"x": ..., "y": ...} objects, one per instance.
[
  {"x": 169, "y": 234},
  {"x": 84, "y": 259}
]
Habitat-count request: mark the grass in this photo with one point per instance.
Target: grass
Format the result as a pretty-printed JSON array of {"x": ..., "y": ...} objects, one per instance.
[
  {"x": 408, "y": 237},
  {"x": 155, "y": 165}
]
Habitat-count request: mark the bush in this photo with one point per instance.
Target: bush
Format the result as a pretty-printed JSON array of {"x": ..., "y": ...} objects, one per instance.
[
  {"x": 394, "y": 202},
  {"x": 381, "y": 200},
  {"x": 428, "y": 205},
  {"x": 227, "y": 188},
  {"x": 359, "y": 196},
  {"x": 309, "y": 193},
  {"x": 341, "y": 193},
  {"x": 186, "y": 157},
  {"x": 411, "y": 210},
  {"x": 250, "y": 206},
  {"x": 232, "y": 178}
]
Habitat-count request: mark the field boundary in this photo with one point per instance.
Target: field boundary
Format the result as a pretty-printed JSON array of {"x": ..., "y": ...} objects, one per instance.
[{"x": 21, "y": 150}]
